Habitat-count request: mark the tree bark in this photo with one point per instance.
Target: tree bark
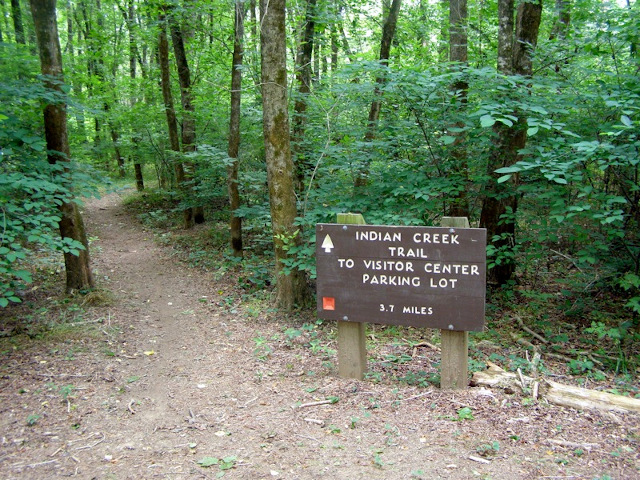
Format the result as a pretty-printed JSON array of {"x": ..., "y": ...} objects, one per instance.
[
  {"x": 388, "y": 32},
  {"x": 280, "y": 171},
  {"x": 303, "y": 77},
  {"x": 172, "y": 122},
  {"x": 130, "y": 19},
  {"x": 188, "y": 119},
  {"x": 500, "y": 205},
  {"x": 78, "y": 271},
  {"x": 458, "y": 54},
  {"x": 18, "y": 27},
  {"x": 235, "y": 222},
  {"x": 505, "y": 36}
]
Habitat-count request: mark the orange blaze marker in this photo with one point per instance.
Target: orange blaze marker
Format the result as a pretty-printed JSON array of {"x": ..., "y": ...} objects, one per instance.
[{"x": 328, "y": 303}]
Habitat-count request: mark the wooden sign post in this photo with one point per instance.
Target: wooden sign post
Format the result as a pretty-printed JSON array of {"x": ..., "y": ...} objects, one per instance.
[
  {"x": 454, "y": 345},
  {"x": 432, "y": 277},
  {"x": 352, "y": 347}
]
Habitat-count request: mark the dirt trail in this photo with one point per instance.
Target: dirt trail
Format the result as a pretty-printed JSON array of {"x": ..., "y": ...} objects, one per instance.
[{"x": 175, "y": 378}]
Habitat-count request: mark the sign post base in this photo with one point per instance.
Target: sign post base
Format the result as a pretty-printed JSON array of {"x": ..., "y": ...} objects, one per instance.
[
  {"x": 352, "y": 347},
  {"x": 454, "y": 366}
]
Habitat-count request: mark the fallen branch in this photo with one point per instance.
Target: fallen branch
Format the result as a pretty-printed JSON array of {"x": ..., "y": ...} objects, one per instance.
[
  {"x": 41, "y": 463},
  {"x": 582, "y": 398},
  {"x": 315, "y": 404},
  {"x": 315, "y": 420},
  {"x": 557, "y": 393},
  {"x": 86, "y": 447},
  {"x": 478, "y": 459},
  {"x": 424, "y": 344},
  {"x": 529, "y": 331}
]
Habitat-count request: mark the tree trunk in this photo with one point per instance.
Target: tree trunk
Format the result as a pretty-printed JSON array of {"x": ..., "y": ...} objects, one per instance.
[
  {"x": 130, "y": 19},
  {"x": 500, "y": 205},
  {"x": 505, "y": 36},
  {"x": 18, "y": 27},
  {"x": 562, "y": 20},
  {"x": 94, "y": 69},
  {"x": 388, "y": 32},
  {"x": 188, "y": 119},
  {"x": 235, "y": 222},
  {"x": 280, "y": 171},
  {"x": 303, "y": 77},
  {"x": 458, "y": 54},
  {"x": 2, "y": 15},
  {"x": 172, "y": 122},
  {"x": 77, "y": 267},
  {"x": 115, "y": 138}
]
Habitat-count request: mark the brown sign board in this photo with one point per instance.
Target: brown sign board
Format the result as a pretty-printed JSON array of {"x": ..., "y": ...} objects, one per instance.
[{"x": 431, "y": 277}]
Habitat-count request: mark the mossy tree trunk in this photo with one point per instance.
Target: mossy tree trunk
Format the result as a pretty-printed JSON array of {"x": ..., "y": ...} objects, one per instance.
[
  {"x": 235, "y": 222},
  {"x": 78, "y": 271},
  {"x": 172, "y": 122},
  {"x": 500, "y": 205},
  {"x": 188, "y": 108},
  {"x": 280, "y": 170}
]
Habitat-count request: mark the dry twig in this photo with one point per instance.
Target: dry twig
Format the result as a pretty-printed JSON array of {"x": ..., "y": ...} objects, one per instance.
[
  {"x": 315, "y": 404},
  {"x": 86, "y": 447},
  {"x": 529, "y": 331},
  {"x": 478, "y": 459}
]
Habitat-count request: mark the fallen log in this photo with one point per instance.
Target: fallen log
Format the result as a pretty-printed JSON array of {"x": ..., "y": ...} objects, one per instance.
[
  {"x": 557, "y": 393},
  {"x": 584, "y": 399}
]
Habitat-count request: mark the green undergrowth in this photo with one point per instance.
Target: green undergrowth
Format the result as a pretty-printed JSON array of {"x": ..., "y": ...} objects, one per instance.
[{"x": 555, "y": 311}]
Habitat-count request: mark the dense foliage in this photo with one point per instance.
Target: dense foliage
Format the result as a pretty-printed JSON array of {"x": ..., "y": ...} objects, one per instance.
[
  {"x": 577, "y": 179},
  {"x": 31, "y": 189}
]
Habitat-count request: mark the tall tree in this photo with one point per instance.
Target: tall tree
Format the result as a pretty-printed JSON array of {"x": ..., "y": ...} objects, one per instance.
[
  {"x": 18, "y": 27},
  {"x": 280, "y": 171},
  {"x": 500, "y": 205},
  {"x": 458, "y": 54},
  {"x": 235, "y": 222},
  {"x": 303, "y": 77},
  {"x": 172, "y": 121},
  {"x": 130, "y": 19},
  {"x": 388, "y": 32},
  {"x": 186, "y": 97},
  {"x": 78, "y": 271}
]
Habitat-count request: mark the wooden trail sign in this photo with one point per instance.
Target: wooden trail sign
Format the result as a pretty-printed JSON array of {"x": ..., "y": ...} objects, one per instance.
[{"x": 418, "y": 276}]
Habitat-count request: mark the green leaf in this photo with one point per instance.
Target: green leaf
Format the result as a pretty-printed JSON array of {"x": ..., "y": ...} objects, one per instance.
[
  {"x": 208, "y": 461},
  {"x": 634, "y": 304},
  {"x": 227, "y": 463},
  {"x": 487, "y": 121},
  {"x": 448, "y": 139},
  {"x": 626, "y": 121},
  {"x": 504, "y": 178},
  {"x": 532, "y": 131},
  {"x": 511, "y": 169},
  {"x": 506, "y": 121}
]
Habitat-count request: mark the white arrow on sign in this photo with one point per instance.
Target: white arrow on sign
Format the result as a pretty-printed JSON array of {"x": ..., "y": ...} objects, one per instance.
[{"x": 327, "y": 244}]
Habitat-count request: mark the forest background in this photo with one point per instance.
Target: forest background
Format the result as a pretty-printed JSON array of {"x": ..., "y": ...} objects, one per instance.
[{"x": 523, "y": 117}]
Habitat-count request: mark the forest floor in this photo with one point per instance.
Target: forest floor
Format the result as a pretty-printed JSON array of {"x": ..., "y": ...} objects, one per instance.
[{"x": 177, "y": 377}]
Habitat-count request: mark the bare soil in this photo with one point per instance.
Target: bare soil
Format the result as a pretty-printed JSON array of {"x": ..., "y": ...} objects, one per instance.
[{"x": 176, "y": 373}]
